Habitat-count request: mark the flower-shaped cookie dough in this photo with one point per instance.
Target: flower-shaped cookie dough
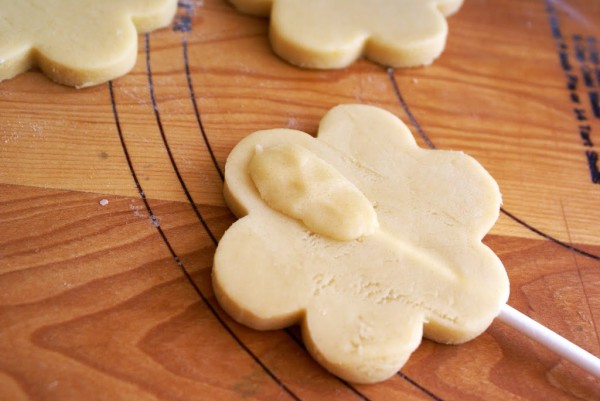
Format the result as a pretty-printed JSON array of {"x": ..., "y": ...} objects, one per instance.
[
  {"x": 333, "y": 33},
  {"x": 76, "y": 42},
  {"x": 364, "y": 239}
]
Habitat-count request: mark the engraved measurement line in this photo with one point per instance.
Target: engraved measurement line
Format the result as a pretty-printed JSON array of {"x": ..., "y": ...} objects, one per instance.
[
  {"x": 503, "y": 210},
  {"x": 168, "y": 148},
  {"x": 190, "y": 85},
  {"x": 420, "y": 387},
  {"x": 138, "y": 186},
  {"x": 549, "y": 237},
  {"x": 177, "y": 260},
  {"x": 300, "y": 343},
  {"x": 411, "y": 117},
  {"x": 184, "y": 23}
]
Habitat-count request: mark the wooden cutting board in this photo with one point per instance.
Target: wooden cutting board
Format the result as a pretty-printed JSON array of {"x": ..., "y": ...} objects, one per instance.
[{"x": 111, "y": 208}]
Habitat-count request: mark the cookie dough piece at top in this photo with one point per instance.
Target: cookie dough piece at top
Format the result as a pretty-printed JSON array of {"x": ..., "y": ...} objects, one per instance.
[
  {"x": 76, "y": 42},
  {"x": 334, "y": 33}
]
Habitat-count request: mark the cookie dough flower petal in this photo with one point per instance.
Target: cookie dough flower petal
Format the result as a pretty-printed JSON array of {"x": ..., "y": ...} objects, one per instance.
[
  {"x": 360, "y": 343},
  {"x": 429, "y": 189},
  {"x": 258, "y": 274},
  {"x": 70, "y": 60}
]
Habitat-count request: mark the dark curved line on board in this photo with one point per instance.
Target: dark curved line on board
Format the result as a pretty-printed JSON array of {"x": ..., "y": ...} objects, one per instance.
[
  {"x": 550, "y": 238},
  {"x": 166, "y": 143},
  {"x": 350, "y": 387},
  {"x": 419, "y": 129},
  {"x": 190, "y": 85},
  {"x": 178, "y": 260},
  {"x": 411, "y": 117},
  {"x": 420, "y": 387}
]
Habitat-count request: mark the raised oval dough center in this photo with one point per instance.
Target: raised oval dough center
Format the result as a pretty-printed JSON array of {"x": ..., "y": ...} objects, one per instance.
[{"x": 296, "y": 182}]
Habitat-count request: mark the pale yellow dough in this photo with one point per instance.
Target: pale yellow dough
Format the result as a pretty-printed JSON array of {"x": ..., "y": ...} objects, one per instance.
[
  {"x": 418, "y": 267},
  {"x": 326, "y": 34},
  {"x": 292, "y": 180},
  {"x": 76, "y": 42}
]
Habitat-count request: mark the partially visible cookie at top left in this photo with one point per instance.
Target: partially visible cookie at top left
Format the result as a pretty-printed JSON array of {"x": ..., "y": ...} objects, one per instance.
[{"x": 76, "y": 42}]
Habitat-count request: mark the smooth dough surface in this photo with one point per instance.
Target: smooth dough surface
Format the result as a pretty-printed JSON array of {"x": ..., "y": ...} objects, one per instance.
[
  {"x": 327, "y": 34},
  {"x": 76, "y": 42},
  {"x": 363, "y": 303}
]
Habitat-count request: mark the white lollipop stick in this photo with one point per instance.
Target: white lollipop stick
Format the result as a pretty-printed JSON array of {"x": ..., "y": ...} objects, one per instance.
[{"x": 550, "y": 339}]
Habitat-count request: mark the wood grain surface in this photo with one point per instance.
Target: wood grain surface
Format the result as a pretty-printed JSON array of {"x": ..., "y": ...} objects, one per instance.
[{"x": 111, "y": 208}]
